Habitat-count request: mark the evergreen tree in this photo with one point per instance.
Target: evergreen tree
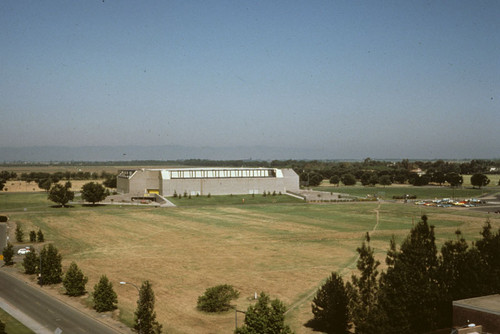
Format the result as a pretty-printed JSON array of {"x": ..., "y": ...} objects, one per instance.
[
  {"x": 364, "y": 290},
  {"x": 51, "y": 267},
  {"x": 2, "y": 328},
  {"x": 19, "y": 234},
  {"x": 8, "y": 254},
  {"x": 263, "y": 318},
  {"x": 40, "y": 236},
  {"x": 31, "y": 263},
  {"x": 409, "y": 291},
  {"x": 74, "y": 281},
  {"x": 489, "y": 250},
  {"x": 32, "y": 236},
  {"x": 330, "y": 307},
  {"x": 145, "y": 315},
  {"x": 105, "y": 298}
]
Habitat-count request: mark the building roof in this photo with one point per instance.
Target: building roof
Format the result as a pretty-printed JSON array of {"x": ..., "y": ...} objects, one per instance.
[{"x": 489, "y": 304}]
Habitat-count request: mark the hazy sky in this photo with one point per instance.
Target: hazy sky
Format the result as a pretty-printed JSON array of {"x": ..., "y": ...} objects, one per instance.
[{"x": 353, "y": 79}]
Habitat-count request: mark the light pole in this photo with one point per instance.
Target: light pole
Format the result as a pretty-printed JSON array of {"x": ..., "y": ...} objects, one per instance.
[{"x": 135, "y": 286}]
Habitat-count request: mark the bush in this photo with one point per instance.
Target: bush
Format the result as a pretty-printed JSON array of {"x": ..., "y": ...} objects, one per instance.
[
  {"x": 32, "y": 236},
  {"x": 217, "y": 298},
  {"x": 3, "y": 219}
]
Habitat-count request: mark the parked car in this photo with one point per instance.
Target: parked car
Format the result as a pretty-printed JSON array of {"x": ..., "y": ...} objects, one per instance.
[{"x": 23, "y": 250}]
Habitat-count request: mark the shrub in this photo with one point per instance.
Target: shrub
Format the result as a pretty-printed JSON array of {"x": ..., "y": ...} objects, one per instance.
[
  {"x": 3, "y": 219},
  {"x": 217, "y": 298}
]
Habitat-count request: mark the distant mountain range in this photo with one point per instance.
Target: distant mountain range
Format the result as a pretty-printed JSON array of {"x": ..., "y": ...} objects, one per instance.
[{"x": 160, "y": 152}]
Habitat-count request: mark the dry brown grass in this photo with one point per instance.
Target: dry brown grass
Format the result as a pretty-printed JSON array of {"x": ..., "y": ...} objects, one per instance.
[{"x": 183, "y": 251}]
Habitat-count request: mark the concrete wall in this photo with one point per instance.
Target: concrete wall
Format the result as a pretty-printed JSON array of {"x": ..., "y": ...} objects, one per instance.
[
  {"x": 139, "y": 182},
  {"x": 144, "y": 179}
]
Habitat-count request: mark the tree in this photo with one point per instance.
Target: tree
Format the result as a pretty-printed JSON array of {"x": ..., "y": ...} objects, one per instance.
[
  {"x": 105, "y": 298},
  {"x": 454, "y": 179},
  {"x": 217, "y": 298},
  {"x": 263, "y": 318},
  {"x": 409, "y": 291},
  {"x": 19, "y": 234},
  {"x": 335, "y": 179},
  {"x": 93, "y": 192},
  {"x": 40, "y": 236},
  {"x": 45, "y": 184},
  {"x": 479, "y": 180},
  {"x": 8, "y": 254},
  {"x": 51, "y": 267},
  {"x": 74, "y": 281},
  {"x": 330, "y": 307},
  {"x": 145, "y": 315},
  {"x": 489, "y": 248},
  {"x": 32, "y": 236},
  {"x": 2, "y": 328},
  {"x": 363, "y": 291},
  {"x": 385, "y": 180},
  {"x": 31, "y": 263},
  {"x": 110, "y": 181},
  {"x": 348, "y": 179},
  {"x": 61, "y": 194}
]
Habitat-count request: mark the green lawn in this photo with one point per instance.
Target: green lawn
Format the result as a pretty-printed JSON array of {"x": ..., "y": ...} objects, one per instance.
[{"x": 12, "y": 326}]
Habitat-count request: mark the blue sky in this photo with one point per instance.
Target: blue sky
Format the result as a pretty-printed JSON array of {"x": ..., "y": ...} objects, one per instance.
[{"x": 351, "y": 79}]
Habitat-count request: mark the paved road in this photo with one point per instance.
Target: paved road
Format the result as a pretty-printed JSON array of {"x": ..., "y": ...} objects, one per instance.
[{"x": 44, "y": 312}]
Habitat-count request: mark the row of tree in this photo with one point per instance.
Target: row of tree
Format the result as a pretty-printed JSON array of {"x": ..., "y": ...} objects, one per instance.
[
  {"x": 48, "y": 266},
  {"x": 415, "y": 293},
  {"x": 92, "y": 192}
]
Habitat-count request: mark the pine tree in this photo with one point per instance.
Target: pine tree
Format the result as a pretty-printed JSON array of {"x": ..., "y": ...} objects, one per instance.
[
  {"x": 409, "y": 290},
  {"x": 263, "y": 318},
  {"x": 8, "y": 254},
  {"x": 363, "y": 290},
  {"x": 145, "y": 315},
  {"x": 105, "y": 298},
  {"x": 19, "y": 234},
  {"x": 51, "y": 269},
  {"x": 489, "y": 248},
  {"x": 74, "y": 281},
  {"x": 30, "y": 263},
  {"x": 40, "y": 236},
  {"x": 330, "y": 307},
  {"x": 32, "y": 236}
]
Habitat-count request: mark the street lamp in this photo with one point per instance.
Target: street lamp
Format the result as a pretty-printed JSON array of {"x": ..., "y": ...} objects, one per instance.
[{"x": 135, "y": 286}]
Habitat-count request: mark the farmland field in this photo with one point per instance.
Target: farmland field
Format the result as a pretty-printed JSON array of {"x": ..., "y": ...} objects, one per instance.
[{"x": 284, "y": 249}]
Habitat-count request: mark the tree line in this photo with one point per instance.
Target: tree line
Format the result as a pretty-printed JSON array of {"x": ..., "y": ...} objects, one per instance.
[
  {"x": 48, "y": 266},
  {"x": 415, "y": 292}
]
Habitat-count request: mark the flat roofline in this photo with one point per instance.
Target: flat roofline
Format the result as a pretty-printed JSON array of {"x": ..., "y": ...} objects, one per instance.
[{"x": 488, "y": 304}]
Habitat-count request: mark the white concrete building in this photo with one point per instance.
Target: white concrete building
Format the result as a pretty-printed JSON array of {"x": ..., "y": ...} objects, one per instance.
[{"x": 204, "y": 181}]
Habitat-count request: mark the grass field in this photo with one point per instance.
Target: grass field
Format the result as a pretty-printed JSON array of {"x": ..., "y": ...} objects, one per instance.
[
  {"x": 285, "y": 249},
  {"x": 12, "y": 325}
]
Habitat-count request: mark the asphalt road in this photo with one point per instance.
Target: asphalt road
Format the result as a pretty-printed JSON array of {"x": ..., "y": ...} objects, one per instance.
[{"x": 48, "y": 314}]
